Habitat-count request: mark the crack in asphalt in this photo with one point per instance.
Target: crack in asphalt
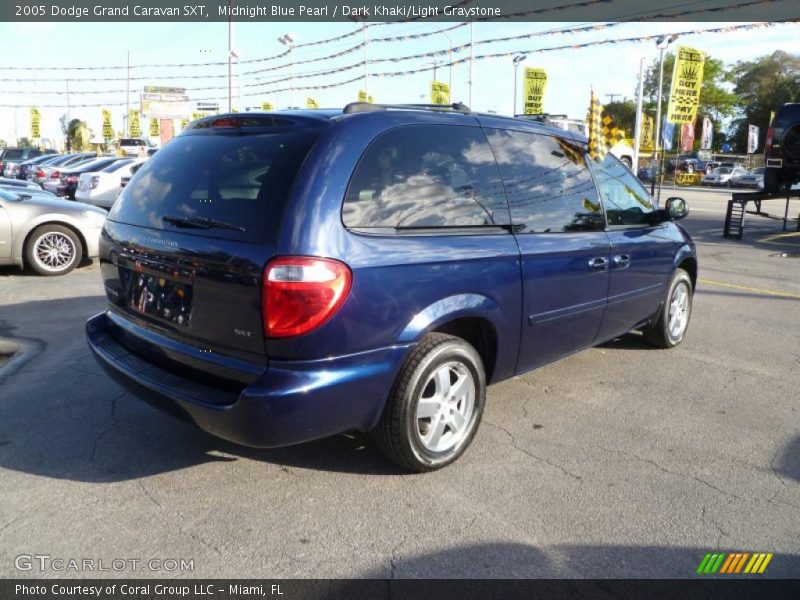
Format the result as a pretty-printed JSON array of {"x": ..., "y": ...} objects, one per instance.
[
  {"x": 114, "y": 422},
  {"x": 665, "y": 470},
  {"x": 392, "y": 559},
  {"x": 519, "y": 448}
]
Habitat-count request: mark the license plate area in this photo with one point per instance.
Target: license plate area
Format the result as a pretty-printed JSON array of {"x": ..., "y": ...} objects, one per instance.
[{"x": 157, "y": 292}]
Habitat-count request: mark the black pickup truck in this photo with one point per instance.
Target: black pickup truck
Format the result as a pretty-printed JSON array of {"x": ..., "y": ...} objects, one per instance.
[{"x": 782, "y": 150}]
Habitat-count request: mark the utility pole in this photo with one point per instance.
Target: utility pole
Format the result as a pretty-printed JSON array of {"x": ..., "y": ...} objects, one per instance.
[
  {"x": 230, "y": 58},
  {"x": 612, "y": 96},
  {"x": 366, "y": 73},
  {"x": 471, "y": 58},
  {"x": 661, "y": 44},
  {"x": 637, "y": 134},
  {"x": 128, "y": 98},
  {"x": 517, "y": 60}
]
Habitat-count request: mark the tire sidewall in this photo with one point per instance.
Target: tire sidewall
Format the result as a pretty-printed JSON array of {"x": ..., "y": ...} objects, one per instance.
[
  {"x": 449, "y": 351},
  {"x": 679, "y": 277}
]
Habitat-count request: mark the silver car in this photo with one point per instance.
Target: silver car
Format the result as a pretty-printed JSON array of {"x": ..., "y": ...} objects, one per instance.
[{"x": 51, "y": 235}]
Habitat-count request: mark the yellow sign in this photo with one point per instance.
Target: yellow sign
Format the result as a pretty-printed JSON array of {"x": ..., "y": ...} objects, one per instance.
[
  {"x": 134, "y": 125},
  {"x": 688, "y": 178},
  {"x": 108, "y": 130},
  {"x": 440, "y": 92},
  {"x": 154, "y": 131},
  {"x": 647, "y": 135},
  {"x": 198, "y": 115},
  {"x": 535, "y": 84},
  {"x": 184, "y": 123},
  {"x": 364, "y": 97},
  {"x": 267, "y": 106},
  {"x": 311, "y": 103},
  {"x": 36, "y": 119},
  {"x": 684, "y": 94}
]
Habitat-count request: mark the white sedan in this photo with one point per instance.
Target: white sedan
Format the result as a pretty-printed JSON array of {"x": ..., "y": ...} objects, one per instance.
[{"x": 102, "y": 187}]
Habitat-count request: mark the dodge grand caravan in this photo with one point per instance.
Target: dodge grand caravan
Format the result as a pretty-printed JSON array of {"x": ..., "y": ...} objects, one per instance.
[{"x": 281, "y": 277}]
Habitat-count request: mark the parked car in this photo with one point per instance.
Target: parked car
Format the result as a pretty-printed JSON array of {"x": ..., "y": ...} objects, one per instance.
[
  {"x": 102, "y": 187},
  {"x": 123, "y": 181},
  {"x": 49, "y": 234},
  {"x": 134, "y": 146},
  {"x": 16, "y": 184},
  {"x": 21, "y": 170},
  {"x": 282, "y": 277},
  {"x": 699, "y": 161},
  {"x": 68, "y": 182},
  {"x": 782, "y": 150},
  {"x": 722, "y": 176},
  {"x": 50, "y": 171},
  {"x": 11, "y": 157},
  {"x": 750, "y": 179}
]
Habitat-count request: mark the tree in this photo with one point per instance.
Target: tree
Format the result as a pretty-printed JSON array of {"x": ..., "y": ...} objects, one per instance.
[
  {"x": 77, "y": 134},
  {"x": 762, "y": 85},
  {"x": 624, "y": 113},
  {"x": 24, "y": 142},
  {"x": 716, "y": 102}
]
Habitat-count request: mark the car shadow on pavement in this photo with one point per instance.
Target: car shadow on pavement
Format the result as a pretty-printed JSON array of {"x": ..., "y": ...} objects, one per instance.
[
  {"x": 522, "y": 561},
  {"x": 788, "y": 463}
]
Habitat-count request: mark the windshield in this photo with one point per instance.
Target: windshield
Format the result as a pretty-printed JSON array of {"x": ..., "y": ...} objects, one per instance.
[
  {"x": 723, "y": 171},
  {"x": 132, "y": 142},
  {"x": 242, "y": 180},
  {"x": 16, "y": 153}
]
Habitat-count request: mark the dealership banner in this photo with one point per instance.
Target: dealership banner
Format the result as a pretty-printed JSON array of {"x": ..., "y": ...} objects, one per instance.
[
  {"x": 440, "y": 92},
  {"x": 134, "y": 124},
  {"x": 752, "y": 139},
  {"x": 311, "y": 103},
  {"x": 108, "y": 129},
  {"x": 36, "y": 120},
  {"x": 647, "y": 134},
  {"x": 707, "y": 138},
  {"x": 154, "y": 128},
  {"x": 533, "y": 90},
  {"x": 687, "y": 137},
  {"x": 684, "y": 93},
  {"x": 667, "y": 133},
  {"x": 363, "y": 96},
  {"x": 267, "y": 106}
]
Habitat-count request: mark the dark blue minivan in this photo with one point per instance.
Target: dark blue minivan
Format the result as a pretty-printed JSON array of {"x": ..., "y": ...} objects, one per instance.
[{"x": 281, "y": 277}]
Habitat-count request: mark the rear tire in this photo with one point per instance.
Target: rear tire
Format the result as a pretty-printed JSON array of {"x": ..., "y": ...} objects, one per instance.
[
  {"x": 435, "y": 406},
  {"x": 673, "y": 316},
  {"x": 53, "y": 250}
]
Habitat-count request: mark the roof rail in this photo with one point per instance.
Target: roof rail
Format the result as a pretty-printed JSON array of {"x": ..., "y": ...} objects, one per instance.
[
  {"x": 541, "y": 117},
  {"x": 355, "y": 107}
]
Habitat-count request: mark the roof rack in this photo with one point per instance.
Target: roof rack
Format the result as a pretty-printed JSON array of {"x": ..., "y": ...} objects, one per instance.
[
  {"x": 541, "y": 117},
  {"x": 354, "y": 107}
]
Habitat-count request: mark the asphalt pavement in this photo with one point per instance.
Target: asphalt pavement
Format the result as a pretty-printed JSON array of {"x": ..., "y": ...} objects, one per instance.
[{"x": 620, "y": 461}]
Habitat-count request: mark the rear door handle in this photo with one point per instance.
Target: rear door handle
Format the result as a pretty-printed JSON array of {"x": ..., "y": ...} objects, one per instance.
[
  {"x": 599, "y": 263},
  {"x": 622, "y": 261}
]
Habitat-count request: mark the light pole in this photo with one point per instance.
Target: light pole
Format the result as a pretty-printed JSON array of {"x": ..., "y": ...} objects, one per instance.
[
  {"x": 517, "y": 59},
  {"x": 637, "y": 130},
  {"x": 661, "y": 43},
  {"x": 287, "y": 39},
  {"x": 471, "y": 57}
]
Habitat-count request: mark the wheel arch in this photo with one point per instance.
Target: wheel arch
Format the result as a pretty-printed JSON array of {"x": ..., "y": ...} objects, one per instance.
[{"x": 22, "y": 249}]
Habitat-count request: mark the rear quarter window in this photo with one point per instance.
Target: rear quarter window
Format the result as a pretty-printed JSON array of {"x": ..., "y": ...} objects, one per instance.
[
  {"x": 426, "y": 176},
  {"x": 242, "y": 180}
]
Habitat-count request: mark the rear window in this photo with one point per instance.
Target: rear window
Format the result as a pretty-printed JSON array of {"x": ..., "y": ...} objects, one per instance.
[
  {"x": 17, "y": 153},
  {"x": 117, "y": 165},
  {"x": 132, "y": 142},
  {"x": 241, "y": 180}
]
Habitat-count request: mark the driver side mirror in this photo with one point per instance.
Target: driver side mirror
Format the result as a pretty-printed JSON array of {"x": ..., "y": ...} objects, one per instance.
[{"x": 676, "y": 208}]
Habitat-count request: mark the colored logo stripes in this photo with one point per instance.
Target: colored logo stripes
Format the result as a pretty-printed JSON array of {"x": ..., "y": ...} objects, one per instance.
[{"x": 734, "y": 563}]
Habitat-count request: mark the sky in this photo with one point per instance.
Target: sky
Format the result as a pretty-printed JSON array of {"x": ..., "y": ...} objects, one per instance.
[{"x": 58, "y": 50}]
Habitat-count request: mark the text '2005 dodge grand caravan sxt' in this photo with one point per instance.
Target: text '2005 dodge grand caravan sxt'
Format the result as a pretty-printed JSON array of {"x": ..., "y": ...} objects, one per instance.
[{"x": 281, "y": 277}]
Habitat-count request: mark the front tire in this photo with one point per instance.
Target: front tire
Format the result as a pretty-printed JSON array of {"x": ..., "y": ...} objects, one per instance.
[
  {"x": 673, "y": 316},
  {"x": 435, "y": 406},
  {"x": 53, "y": 250}
]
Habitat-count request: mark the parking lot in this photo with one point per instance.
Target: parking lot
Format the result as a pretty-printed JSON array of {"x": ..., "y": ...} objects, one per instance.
[{"x": 620, "y": 461}]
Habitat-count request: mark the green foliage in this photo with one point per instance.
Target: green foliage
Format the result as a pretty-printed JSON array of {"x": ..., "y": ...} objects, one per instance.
[
  {"x": 762, "y": 86},
  {"x": 624, "y": 114},
  {"x": 77, "y": 134},
  {"x": 24, "y": 142}
]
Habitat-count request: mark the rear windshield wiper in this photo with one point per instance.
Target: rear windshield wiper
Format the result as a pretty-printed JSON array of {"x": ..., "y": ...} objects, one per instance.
[{"x": 200, "y": 223}]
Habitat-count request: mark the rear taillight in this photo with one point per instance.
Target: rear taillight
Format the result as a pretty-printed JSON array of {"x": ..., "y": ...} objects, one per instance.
[
  {"x": 2, "y": 165},
  {"x": 72, "y": 178},
  {"x": 55, "y": 175},
  {"x": 40, "y": 174},
  {"x": 770, "y": 135},
  {"x": 301, "y": 293}
]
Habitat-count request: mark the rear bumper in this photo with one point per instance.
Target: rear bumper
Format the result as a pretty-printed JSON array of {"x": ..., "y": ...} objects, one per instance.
[{"x": 292, "y": 402}]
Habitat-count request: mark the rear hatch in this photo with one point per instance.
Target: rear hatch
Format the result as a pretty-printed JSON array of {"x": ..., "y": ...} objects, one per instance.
[{"x": 185, "y": 244}]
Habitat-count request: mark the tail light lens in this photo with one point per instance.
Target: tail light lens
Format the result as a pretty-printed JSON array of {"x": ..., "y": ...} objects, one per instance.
[
  {"x": 72, "y": 179},
  {"x": 770, "y": 136},
  {"x": 55, "y": 175},
  {"x": 2, "y": 165},
  {"x": 40, "y": 174},
  {"x": 301, "y": 293}
]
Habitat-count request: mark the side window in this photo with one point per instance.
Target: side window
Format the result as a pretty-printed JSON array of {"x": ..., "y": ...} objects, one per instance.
[
  {"x": 624, "y": 198},
  {"x": 426, "y": 176},
  {"x": 549, "y": 186}
]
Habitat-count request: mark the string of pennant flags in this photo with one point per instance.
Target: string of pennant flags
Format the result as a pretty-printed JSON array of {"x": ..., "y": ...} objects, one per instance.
[{"x": 426, "y": 68}]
